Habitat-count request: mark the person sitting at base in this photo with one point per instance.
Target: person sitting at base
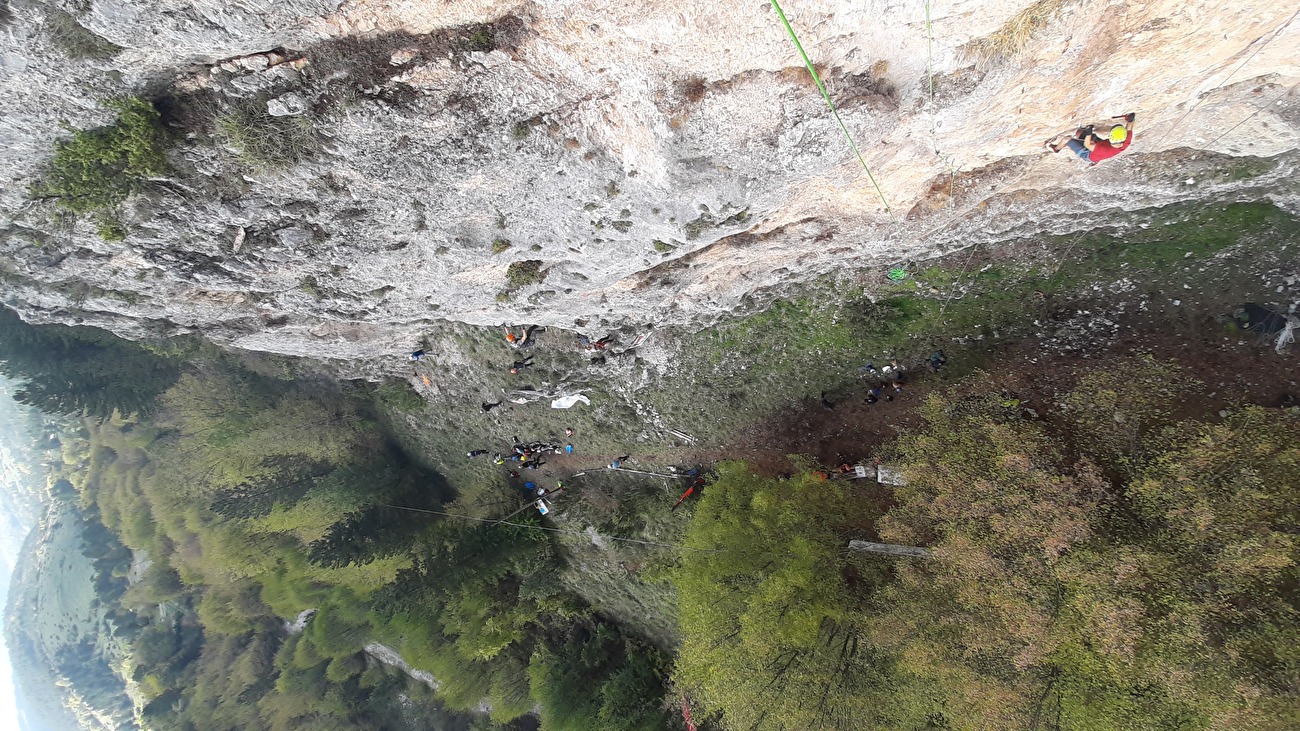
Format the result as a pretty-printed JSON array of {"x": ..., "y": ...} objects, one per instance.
[{"x": 1093, "y": 149}]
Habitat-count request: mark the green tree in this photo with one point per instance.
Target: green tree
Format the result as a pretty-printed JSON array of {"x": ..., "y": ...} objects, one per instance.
[
  {"x": 1057, "y": 599},
  {"x": 985, "y": 492},
  {"x": 286, "y": 481},
  {"x": 595, "y": 679},
  {"x": 238, "y": 428},
  {"x": 74, "y": 371},
  {"x": 773, "y": 635},
  {"x": 1204, "y": 597}
]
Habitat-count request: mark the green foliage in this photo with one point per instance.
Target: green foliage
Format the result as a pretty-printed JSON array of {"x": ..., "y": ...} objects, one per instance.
[
  {"x": 372, "y": 529},
  {"x": 400, "y": 396},
  {"x": 231, "y": 609},
  {"x": 984, "y": 493},
  {"x": 1157, "y": 593},
  {"x": 266, "y": 142},
  {"x": 235, "y": 424},
  {"x": 1112, "y": 412},
  {"x": 110, "y": 228},
  {"x": 703, "y": 223},
  {"x": 213, "y": 657},
  {"x": 524, "y": 273},
  {"x": 310, "y": 286},
  {"x": 73, "y": 371},
  {"x": 765, "y": 604},
  {"x": 257, "y": 498},
  {"x": 98, "y": 169},
  {"x": 480, "y": 39},
  {"x": 1155, "y": 604},
  {"x": 595, "y": 680},
  {"x": 499, "y": 245}
]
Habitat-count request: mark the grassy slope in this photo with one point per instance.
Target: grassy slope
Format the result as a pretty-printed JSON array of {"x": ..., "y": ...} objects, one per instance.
[{"x": 1210, "y": 259}]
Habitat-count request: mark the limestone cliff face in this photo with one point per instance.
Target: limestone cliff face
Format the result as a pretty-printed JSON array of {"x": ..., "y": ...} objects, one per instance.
[{"x": 653, "y": 161}]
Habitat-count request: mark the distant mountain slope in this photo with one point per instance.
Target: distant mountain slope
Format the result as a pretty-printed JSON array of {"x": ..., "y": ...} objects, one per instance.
[
  {"x": 62, "y": 645},
  {"x": 39, "y": 699}
]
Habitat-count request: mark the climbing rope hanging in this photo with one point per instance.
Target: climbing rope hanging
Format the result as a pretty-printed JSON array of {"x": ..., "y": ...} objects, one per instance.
[
  {"x": 929, "y": 55},
  {"x": 896, "y": 272},
  {"x": 1270, "y": 103},
  {"x": 1242, "y": 65},
  {"x": 822, "y": 88}
]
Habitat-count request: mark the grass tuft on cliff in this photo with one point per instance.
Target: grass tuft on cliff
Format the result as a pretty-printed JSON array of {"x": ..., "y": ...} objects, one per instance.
[
  {"x": 1012, "y": 38},
  {"x": 264, "y": 141},
  {"x": 524, "y": 273}
]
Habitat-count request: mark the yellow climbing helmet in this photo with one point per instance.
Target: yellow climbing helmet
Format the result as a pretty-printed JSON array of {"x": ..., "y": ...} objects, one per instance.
[{"x": 1118, "y": 134}]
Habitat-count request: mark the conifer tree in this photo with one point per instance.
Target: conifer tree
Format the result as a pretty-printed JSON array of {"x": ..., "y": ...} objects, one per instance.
[{"x": 73, "y": 370}]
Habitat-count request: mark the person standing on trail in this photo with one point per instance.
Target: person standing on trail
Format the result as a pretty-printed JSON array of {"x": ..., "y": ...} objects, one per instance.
[
  {"x": 520, "y": 365},
  {"x": 1093, "y": 149}
]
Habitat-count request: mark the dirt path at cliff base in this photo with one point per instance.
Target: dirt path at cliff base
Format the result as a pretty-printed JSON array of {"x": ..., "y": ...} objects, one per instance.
[{"x": 1236, "y": 366}]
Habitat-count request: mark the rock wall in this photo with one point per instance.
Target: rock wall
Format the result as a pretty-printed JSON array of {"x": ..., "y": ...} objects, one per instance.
[{"x": 653, "y": 162}]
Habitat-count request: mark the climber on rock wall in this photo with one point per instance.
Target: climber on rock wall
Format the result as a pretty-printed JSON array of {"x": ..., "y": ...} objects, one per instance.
[{"x": 1093, "y": 149}]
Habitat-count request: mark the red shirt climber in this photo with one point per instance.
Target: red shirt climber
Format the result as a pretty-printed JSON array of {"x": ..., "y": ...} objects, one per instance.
[
  {"x": 1092, "y": 148},
  {"x": 1106, "y": 149}
]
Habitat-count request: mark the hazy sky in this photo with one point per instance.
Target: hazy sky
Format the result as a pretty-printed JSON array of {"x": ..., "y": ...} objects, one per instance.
[
  {"x": 9, "y": 545},
  {"x": 8, "y": 709}
]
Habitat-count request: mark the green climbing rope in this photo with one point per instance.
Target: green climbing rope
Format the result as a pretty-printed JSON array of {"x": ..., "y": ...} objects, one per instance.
[
  {"x": 929, "y": 54},
  {"x": 817, "y": 79}
]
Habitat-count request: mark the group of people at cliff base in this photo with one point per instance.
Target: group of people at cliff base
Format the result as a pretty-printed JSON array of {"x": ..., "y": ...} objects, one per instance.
[
  {"x": 894, "y": 376},
  {"x": 1093, "y": 148},
  {"x": 528, "y": 455}
]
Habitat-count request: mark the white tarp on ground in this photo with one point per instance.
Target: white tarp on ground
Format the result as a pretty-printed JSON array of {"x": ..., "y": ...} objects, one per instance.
[
  {"x": 889, "y": 476},
  {"x": 565, "y": 402},
  {"x": 1287, "y": 336}
]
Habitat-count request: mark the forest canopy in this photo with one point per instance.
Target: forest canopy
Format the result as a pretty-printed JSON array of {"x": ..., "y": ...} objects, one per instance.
[
  {"x": 257, "y": 500},
  {"x": 1117, "y": 568},
  {"x": 69, "y": 371}
]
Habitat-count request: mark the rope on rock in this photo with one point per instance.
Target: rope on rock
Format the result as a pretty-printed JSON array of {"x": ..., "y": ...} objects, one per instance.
[
  {"x": 822, "y": 87},
  {"x": 1270, "y": 103},
  {"x": 1202, "y": 98},
  {"x": 929, "y": 55}
]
